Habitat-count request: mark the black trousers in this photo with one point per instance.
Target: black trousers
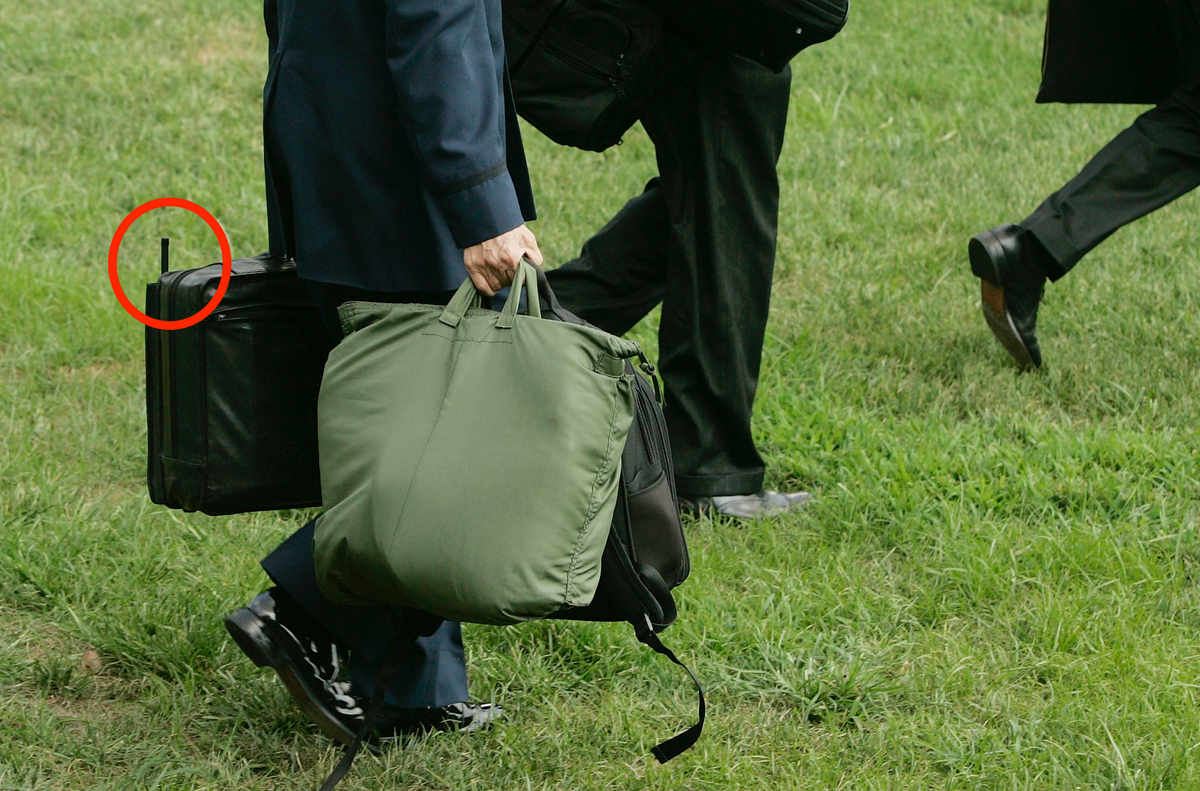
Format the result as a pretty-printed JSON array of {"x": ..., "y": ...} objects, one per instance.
[
  {"x": 701, "y": 240},
  {"x": 434, "y": 671},
  {"x": 1144, "y": 168}
]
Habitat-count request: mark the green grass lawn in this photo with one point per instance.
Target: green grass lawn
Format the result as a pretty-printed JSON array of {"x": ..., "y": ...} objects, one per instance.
[{"x": 995, "y": 588}]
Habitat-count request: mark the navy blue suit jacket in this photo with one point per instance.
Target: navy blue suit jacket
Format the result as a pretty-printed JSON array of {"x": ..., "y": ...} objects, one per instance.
[{"x": 391, "y": 139}]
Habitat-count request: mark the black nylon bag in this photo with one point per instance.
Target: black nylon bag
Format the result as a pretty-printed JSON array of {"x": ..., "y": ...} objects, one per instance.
[
  {"x": 649, "y": 550},
  {"x": 582, "y": 70},
  {"x": 646, "y": 555},
  {"x": 231, "y": 402},
  {"x": 1108, "y": 52},
  {"x": 770, "y": 32}
]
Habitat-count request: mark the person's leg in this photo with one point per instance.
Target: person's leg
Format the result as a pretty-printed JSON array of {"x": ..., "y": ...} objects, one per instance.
[
  {"x": 718, "y": 141},
  {"x": 1144, "y": 168},
  {"x": 434, "y": 673},
  {"x": 620, "y": 274}
]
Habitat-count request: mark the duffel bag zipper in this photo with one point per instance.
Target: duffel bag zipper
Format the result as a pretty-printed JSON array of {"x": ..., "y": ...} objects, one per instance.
[
  {"x": 656, "y": 419},
  {"x": 644, "y": 421},
  {"x": 541, "y": 40}
]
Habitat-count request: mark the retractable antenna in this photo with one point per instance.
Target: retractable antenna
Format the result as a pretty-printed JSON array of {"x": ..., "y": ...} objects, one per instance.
[{"x": 166, "y": 255}]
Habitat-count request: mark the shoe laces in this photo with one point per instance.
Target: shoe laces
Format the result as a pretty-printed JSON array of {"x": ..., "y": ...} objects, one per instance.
[
  {"x": 324, "y": 660},
  {"x": 345, "y": 703}
]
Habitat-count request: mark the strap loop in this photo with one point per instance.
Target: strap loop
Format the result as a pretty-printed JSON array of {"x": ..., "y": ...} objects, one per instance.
[
  {"x": 464, "y": 299},
  {"x": 681, "y": 742}
]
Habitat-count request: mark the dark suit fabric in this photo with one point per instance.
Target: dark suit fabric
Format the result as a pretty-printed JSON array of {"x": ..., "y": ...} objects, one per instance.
[
  {"x": 1144, "y": 168},
  {"x": 1108, "y": 52},
  {"x": 701, "y": 240},
  {"x": 390, "y": 139}
]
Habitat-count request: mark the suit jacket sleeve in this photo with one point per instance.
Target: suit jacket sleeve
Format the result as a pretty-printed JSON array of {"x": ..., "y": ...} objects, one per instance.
[{"x": 447, "y": 64}]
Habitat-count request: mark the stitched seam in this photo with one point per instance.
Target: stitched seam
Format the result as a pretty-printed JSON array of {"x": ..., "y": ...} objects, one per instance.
[
  {"x": 462, "y": 340},
  {"x": 594, "y": 507},
  {"x": 417, "y": 468},
  {"x": 472, "y": 181},
  {"x": 599, "y": 365}
]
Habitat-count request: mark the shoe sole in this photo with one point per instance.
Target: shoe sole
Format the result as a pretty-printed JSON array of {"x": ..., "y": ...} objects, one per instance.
[
  {"x": 250, "y": 632},
  {"x": 984, "y": 251}
]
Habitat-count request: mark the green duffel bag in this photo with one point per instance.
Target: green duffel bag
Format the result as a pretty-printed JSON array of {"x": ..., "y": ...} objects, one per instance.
[{"x": 469, "y": 459}]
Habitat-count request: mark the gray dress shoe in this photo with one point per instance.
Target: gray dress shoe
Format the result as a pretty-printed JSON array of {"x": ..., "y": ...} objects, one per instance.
[
  {"x": 746, "y": 506},
  {"x": 394, "y": 722}
]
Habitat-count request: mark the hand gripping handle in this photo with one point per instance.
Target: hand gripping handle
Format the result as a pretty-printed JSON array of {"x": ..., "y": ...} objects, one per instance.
[{"x": 468, "y": 297}]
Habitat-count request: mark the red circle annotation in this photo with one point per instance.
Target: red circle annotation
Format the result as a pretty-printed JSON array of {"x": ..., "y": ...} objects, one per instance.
[{"x": 226, "y": 262}]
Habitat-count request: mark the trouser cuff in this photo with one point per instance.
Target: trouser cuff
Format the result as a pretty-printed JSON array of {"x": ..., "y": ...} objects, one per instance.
[
  {"x": 1061, "y": 254},
  {"x": 719, "y": 485}
]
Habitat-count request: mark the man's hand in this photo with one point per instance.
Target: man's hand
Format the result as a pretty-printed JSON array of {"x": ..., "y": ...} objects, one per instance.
[{"x": 492, "y": 264}]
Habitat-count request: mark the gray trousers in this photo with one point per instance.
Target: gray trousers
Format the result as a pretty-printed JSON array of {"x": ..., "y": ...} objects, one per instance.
[
  {"x": 701, "y": 240},
  {"x": 1144, "y": 168}
]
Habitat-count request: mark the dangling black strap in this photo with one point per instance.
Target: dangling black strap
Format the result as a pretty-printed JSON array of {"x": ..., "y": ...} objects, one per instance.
[
  {"x": 419, "y": 624},
  {"x": 391, "y": 662},
  {"x": 680, "y": 742}
]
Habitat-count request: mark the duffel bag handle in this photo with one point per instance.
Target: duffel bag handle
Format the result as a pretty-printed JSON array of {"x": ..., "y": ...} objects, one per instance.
[
  {"x": 525, "y": 279},
  {"x": 468, "y": 297},
  {"x": 464, "y": 299}
]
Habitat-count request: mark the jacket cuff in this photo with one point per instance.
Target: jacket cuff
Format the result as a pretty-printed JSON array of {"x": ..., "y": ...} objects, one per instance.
[{"x": 482, "y": 211}]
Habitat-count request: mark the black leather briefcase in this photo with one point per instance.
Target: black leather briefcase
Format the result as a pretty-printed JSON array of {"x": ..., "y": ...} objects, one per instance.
[
  {"x": 770, "y": 32},
  {"x": 231, "y": 402}
]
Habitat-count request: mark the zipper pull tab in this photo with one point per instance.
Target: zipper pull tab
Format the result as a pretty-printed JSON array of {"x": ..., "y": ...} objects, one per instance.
[{"x": 652, "y": 372}]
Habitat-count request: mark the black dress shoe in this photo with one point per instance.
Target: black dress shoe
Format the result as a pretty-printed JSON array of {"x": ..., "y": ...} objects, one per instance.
[
  {"x": 273, "y": 634},
  {"x": 1011, "y": 284},
  {"x": 273, "y": 631}
]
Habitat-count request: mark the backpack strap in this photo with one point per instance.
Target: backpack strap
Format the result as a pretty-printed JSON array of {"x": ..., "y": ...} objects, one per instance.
[
  {"x": 419, "y": 624},
  {"x": 636, "y": 612},
  {"x": 388, "y": 669},
  {"x": 680, "y": 742}
]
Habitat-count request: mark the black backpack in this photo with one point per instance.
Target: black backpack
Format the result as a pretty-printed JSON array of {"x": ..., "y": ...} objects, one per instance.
[
  {"x": 582, "y": 70},
  {"x": 646, "y": 554},
  {"x": 770, "y": 32},
  {"x": 645, "y": 557}
]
